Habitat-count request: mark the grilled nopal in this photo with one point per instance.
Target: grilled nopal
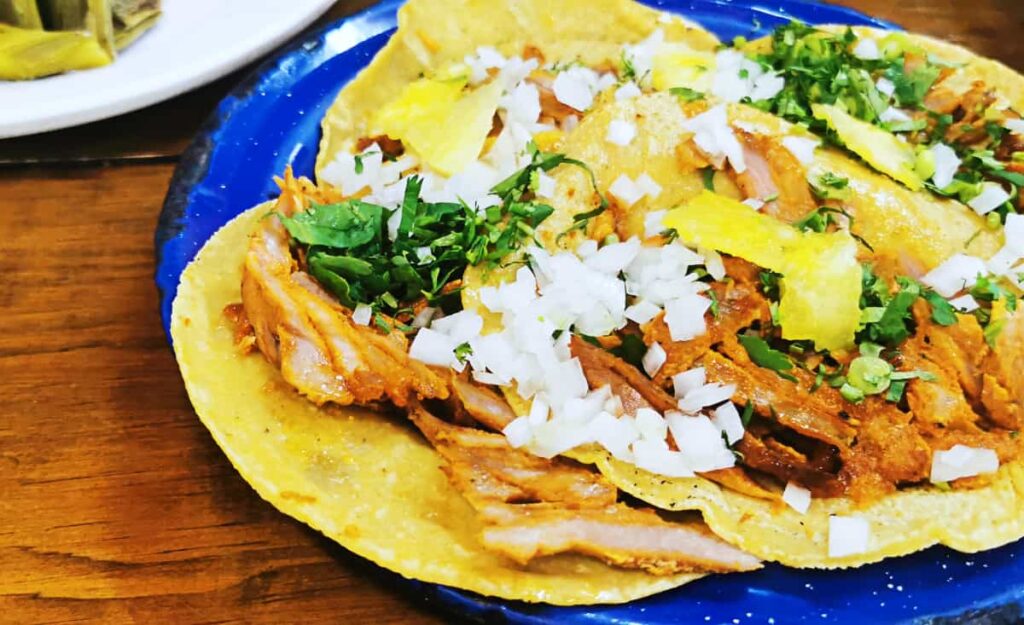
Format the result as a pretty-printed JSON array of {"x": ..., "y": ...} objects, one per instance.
[{"x": 55, "y": 36}]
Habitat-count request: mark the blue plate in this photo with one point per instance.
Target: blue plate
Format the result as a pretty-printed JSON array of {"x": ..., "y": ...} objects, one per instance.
[{"x": 273, "y": 119}]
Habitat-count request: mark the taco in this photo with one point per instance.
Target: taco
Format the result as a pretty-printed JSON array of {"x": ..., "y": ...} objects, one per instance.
[{"x": 570, "y": 298}]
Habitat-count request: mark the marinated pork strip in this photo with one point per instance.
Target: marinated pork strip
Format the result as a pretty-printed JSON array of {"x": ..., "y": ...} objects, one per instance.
[
  {"x": 284, "y": 333},
  {"x": 774, "y": 171},
  {"x": 618, "y": 535},
  {"x": 740, "y": 305},
  {"x": 792, "y": 406},
  {"x": 597, "y": 367},
  {"x": 634, "y": 388},
  {"x": 482, "y": 404},
  {"x": 482, "y": 465},
  {"x": 788, "y": 465},
  {"x": 536, "y": 507},
  {"x": 1004, "y": 374}
]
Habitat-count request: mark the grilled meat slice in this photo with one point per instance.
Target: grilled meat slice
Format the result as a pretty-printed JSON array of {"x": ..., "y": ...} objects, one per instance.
[{"x": 619, "y": 535}]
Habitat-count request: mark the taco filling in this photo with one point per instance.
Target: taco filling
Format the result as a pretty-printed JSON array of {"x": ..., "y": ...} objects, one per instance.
[{"x": 615, "y": 292}]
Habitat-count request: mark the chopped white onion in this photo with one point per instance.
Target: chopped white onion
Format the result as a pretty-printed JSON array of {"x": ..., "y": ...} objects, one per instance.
[
  {"x": 656, "y": 457},
  {"x": 715, "y": 138},
  {"x": 797, "y": 497},
  {"x": 642, "y": 312},
  {"x": 700, "y": 442},
  {"x": 847, "y": 536},
  {"x": 992, "y": 196},
  {"x": 653, "y": 225},
  {"x": 685, "y": 316},
  {"x": 654, "y": 359},
  {"x": 518, "y": 432},
  {"x": 754, "y": 203},
  {"x": 423, "y": 317},
  {"x": 947, "y": 163},
  {"x": 546, "y": 186},
  {"x": 801, "y": 147},
  {"x": 1016, "y": 126},
  {"x": 893, "y": 114},
  {"x": 627, "y": 92},
  {"x": 965, "y": 303},
  {"x": 962, "y": 461},
  {"x": 626, "y": 191},
  {"x": 688, "y": 381},
  {"x": 647, "y": 184},
  {"x": 727, "y": 419},
  {"x": 433, "y": 348},
  {"x": 954, "y": 275},
  {"x": 621, "y": 132},
  {"x": 707, "y": 395},
  {"x": 867, "y": 49},
  {"x": 362, "y": 314},
  {"x": 886, "y": 87}
]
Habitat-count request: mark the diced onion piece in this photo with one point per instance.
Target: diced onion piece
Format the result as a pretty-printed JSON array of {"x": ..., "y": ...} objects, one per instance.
[
  {"x": 647, "y": 184},
  {"x": 642, "y": 312},
  {"x": 586, "y": 248},
  {"x": 847, "y": 536},
  {"x": 655, "y": 456},
  {"x": 867, "y": 49},
  {"x": 433, "y": 348},
  {"x": 612, "y": 259},
  {"x": 626, "y": 191},
  {"x": 947, "y": 163},
  {"x": 621, "y": 132},
  {"x": 460, "y": 327},
  {"x": 797, "y": 497},
  {"x": 684, "y": 317},
  {"x": 423, "y": 317},
  {"x": 954, "y": 275},
  {"x": 539, "y": 411},
  {"x": 962, "y": 461},
  {"x": 1015, "y": 126},
  {"x": 575, "y": 87},
  {"x": 715, "y": 137},
  {"x": 518, "y": 432},
  {"x": 965, "y": 303},
  {"x": 362, "y": 314},
  {"x": 627, "y": 91},
  {"x": 654, "y": 359},
  {"x": 700, "y": 442},
  {"x": 650, "y": 424},
  {"x": 688, "y": 381},
  {"x": 546, "y": 186},
  {"x": 801, "y": 147},
  {"x": 893, "y": 114},
  {"x": 885, "y": 86},
  {"x": 992, "y": 196},
  {"x": 652, "y": 223},
  {"x": 727, "y": 419},
  {"x": 707, "y": 395},
  {"x": 754, "y": 203}
]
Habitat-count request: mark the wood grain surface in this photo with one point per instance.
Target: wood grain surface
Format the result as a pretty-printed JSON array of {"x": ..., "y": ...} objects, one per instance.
[{"x": 115, "y": 505}]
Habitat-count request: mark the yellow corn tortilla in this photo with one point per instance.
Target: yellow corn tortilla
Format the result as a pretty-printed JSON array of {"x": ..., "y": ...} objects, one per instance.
[
  {"x": 435, "y": 33},
  {"x": 369, "y": 482},
  {"x": 897, "y": 222}
]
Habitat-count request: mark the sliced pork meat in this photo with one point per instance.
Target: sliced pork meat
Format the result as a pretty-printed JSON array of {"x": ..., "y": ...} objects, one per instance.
[
  {"x": 618, "y": 535},
  {"x": 534, "y": 507},
  {"x": 775, "y": 172},
  {"x": 320, "y": 351},
  {"x": 482, "y": 404},
  {"x": 486, "y": 469},
  {"x": 631, "y": 386}
]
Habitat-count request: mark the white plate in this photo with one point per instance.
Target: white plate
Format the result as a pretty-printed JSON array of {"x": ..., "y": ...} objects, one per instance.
[{"x": 193, "y": 43}]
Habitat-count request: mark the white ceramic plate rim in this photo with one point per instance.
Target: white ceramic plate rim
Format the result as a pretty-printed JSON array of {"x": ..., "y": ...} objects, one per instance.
[{"x": 195, "y": 42}]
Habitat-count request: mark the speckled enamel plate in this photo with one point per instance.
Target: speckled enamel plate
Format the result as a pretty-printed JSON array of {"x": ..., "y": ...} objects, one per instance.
[{"x": 272, "y": 120}]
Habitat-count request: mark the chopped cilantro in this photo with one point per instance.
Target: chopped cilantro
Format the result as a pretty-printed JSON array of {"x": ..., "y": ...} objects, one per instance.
[
  {"x": 686, "y": 94},
  {"x": 943, "y": 312},
  {"x": 748, "y": 414},
  {"x": 763, "y": 355},
  {"x": 349, "y": 250},
  {"x": 631, "y": 350},
  {"x": 463, "y": 351},
  {"x": 708, "y": 175}
]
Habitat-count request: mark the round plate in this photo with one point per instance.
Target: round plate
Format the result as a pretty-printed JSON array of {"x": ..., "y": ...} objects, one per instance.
[
  {"x": 272, "y": 120},
  {"x": 193, "y": 43}
]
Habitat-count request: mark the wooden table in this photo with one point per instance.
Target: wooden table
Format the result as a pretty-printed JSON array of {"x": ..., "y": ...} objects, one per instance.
[{"x": 115, "y": 505}]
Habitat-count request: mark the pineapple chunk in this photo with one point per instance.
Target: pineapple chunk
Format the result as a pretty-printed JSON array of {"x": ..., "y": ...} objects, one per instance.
[
  {"x": 821, "y": 284},
  {"x": 821, "y": 290},
  {"x": 716, "y": 222},
  {"x": 444, "y": 126},
  {"x": 879, "y": 148}
]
